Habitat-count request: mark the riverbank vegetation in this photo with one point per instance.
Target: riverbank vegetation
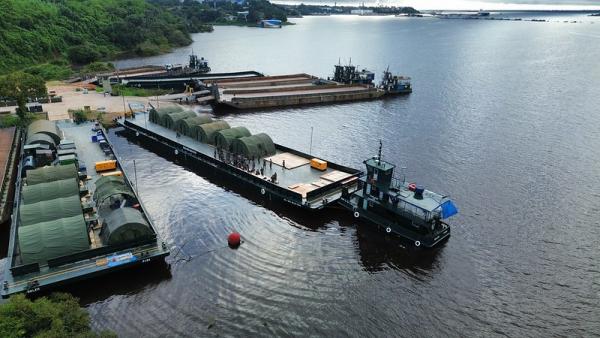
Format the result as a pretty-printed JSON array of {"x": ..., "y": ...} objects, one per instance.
[
  {"x": 58, "y": 315},
  {"x": 48, "y": 37}
]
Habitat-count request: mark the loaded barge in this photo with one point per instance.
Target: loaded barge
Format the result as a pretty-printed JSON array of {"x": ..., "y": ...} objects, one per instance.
[
  {"x": 347, "y": 84},
  {"x": 281, "y": 173},
  {"x": 71, "y": 222}
]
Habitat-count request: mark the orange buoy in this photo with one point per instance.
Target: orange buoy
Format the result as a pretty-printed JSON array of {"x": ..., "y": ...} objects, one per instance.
[{"x": 234, "y": 240}]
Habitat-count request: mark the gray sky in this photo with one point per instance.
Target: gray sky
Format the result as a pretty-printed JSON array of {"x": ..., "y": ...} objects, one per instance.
[{"x": 469, "y": 4}]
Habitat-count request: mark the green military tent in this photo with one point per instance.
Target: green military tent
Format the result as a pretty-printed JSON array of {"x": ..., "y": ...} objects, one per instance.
[
  {"x": 50, "y": 210},
  {"x": 42, "y": 241},
  {"x": 186, "y": 126},
  {"x": 205, "y": 131},
  {"x": 44, "y": 127},
  {"x": 258, "y": 145},
  {"x": 223, "y": 138},
  {"x": 156, "y": 114},
  {"x": 50, "y": 190},
  {"x": 51, "y": 173},
  {"x": 108, "y": 186},
  {"x": 125, "y": 225},
  {"x": 40, "y": 138},
  {"x": 170, "y": 120}
]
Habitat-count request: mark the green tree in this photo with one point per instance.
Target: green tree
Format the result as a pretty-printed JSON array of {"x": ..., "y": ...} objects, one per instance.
[
  {"x": 58, "y": 315},
  {"x": 21, "y": 86}
]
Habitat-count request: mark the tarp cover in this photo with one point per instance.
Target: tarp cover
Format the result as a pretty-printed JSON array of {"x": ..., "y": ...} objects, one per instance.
[
  {"x": 223, "y": 138},
  {"x": 111, "y": 185},
  {"x": 448, "y": 209},
  {"x": 49, "y": 174},
  {"x": 186, "y": 126},
  {"x": 254, "y": 146},
  {"x": 50, "y": 210},
  {"x": 124, "y": 225},
  {"x": 40, "y": 138},
  {"x": 156, "y": 114},
  {"x": 42, "y": 241},
  {"x": 46, "y": 127},
  {"x": 204, "y": 131},
  {"x": 169, "y": 120},
  {"x": 50, "y": 190}
]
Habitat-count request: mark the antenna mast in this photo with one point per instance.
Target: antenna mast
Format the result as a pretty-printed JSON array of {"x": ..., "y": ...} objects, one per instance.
[{"x": 379, "y": 153}]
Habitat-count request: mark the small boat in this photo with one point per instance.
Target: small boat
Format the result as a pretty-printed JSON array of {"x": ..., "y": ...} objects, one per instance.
[
  {"x": 270, "y": 23},
  {"x": 401, "y": 208},
  {"x": 395, "y": 84}
]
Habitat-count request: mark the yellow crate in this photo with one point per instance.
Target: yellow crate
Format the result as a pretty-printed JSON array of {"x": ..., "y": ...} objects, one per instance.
[
  {"x": 106, "y": 165},
  {"x": 318, "y": 164}
]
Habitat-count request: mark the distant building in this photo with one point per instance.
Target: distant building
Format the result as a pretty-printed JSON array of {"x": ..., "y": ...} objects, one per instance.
[{"x": 361, "y": 11}]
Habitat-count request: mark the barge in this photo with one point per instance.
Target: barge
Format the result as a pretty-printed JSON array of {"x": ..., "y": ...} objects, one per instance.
[
  {"x": 278, "y": 172},
  {"x": 294, "y": 177},
  {"x": 71, "y": 222},
  {"x": 288, "y": 90}
]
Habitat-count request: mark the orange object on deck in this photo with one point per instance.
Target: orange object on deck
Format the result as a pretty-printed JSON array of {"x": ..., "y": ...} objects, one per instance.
[{"x": 318, "y": 164}]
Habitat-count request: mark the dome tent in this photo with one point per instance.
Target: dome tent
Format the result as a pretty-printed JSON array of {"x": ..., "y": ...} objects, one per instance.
[
  {"x": 170, "y": 120},
  {"x": 52, "y": 173},
  {"x": 49, "y": 190},
  {"x": 156, "y": 114},
  {"x": 258, "y": 145},
  {"x": 40, "y": 138},
  {"x": 50, "y": 210},
  {"x": 186, "y": 126},
  {"x": 125, "y": 225},
  {"x": 42, "y": 241},
  {"x": 107, "y": 186},
  {"x": 45, "y": 127},
  {"x": 204, "y": 132},
  {"x": 223, "y": 138}
]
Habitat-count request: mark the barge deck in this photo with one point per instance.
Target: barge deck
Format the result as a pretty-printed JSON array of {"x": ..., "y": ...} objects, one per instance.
[
  {"x": 289, "y": 90},
  {"x": 107, "y": 227},
  {"x": 297, "y": 182}
]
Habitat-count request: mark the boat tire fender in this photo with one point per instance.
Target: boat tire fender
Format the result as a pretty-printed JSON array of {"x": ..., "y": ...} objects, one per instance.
[
  {"x": 417, "y": 244},
  {"x": 356, "y": 214},
  {"x": 388, "y": 230}
]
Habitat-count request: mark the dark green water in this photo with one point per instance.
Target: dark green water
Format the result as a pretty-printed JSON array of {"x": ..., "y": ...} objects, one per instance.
[{"x": 504, "y": 117}]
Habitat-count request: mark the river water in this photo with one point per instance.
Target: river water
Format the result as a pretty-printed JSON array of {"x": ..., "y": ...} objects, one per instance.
[{"x": 504, "y": 117}]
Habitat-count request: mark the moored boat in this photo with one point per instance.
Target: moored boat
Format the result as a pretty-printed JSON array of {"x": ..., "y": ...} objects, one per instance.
[{"x": 399, "y": 207}]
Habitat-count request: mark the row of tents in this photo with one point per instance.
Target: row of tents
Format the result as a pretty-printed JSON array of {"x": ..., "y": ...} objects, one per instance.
[
  {"x": 51, "y": 222},
  {"x": 218, "y": 133}
]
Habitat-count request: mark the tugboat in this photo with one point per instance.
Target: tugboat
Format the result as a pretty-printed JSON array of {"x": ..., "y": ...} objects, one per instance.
[
  {"x": 350, "y": 75},
  {"x": 394, "y": 84},
  {"x": 401, "y": 208}
]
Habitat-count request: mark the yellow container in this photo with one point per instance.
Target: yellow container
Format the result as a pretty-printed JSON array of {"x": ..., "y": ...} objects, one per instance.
[
  {"x": 113, "y": 173},
  {"x": 318, "y": 164},
  {"x": 106, "y": 165}
]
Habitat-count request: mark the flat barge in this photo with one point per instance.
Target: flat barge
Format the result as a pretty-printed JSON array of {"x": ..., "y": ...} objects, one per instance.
[
  {"x": 284, "y": 173},
  {"x": 294, "y": 177},
  {"x": 71, "y": 222},
  {"x": 288, "y": 90}
]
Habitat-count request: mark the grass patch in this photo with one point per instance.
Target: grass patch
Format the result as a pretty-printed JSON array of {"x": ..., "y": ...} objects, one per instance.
[{"x": 119, "y": 90}]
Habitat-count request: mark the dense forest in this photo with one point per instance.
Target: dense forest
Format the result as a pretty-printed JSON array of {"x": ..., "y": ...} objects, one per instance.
[
  {"x": 46, "y": 37},
  {"x": 34, "y": 32}
]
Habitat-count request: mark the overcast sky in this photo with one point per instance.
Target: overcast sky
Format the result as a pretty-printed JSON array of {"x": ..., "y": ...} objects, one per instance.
[{"x": 469, "y": 4}]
